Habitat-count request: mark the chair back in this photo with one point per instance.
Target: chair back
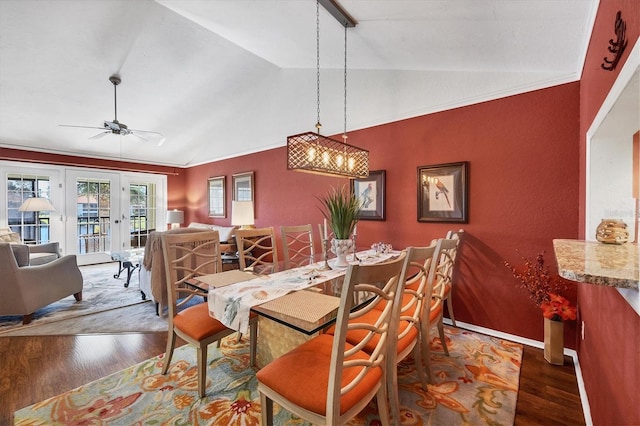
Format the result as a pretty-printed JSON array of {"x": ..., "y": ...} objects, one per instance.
[
  {"x": 297, "y": 242},
  {"x": 418, "y": 288},
  {"x": 188, "y": 256},
  {"x": 446, "y": 253},
  {"x": 257, "y": 249},
  {"x": 346, "y": 372},
  {"x": 455, "y": 235}
]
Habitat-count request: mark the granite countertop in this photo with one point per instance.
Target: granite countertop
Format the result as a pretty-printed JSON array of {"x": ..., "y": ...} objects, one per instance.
[{"x": 597, "y": 263}]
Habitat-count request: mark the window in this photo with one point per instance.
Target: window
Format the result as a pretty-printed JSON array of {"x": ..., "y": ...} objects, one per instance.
[
  {"x": 33, "y": 227},
  {"x": 142, "y": 207}
]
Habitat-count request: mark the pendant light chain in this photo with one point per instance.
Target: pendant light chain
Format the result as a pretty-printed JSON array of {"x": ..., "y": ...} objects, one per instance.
[
  {"x": 310, "y": 151},
  {"x": 318, "y": 125},
  {"x": 344, "y": 134}
]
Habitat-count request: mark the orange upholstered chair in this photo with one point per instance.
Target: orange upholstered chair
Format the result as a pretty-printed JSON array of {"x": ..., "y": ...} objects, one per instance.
[
  {"x": 452, "y": 235},
  {"x": 257, "y": 250},
  {"x": 338, "y": 378},
  {"x": 187, "y": 256},
  {"x": 414, "y": 294},
  {"x": 298, "y": 244},
  {"x": 440, "y": 277}
]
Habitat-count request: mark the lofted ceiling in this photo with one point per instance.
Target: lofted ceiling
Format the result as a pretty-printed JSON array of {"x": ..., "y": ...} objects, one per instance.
[{"x": 222, "y": 78}]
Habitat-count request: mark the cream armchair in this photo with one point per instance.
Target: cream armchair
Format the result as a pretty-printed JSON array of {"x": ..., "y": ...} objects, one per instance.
[
  {"x": 37, "y": 254},
  {"x": 25, "y": 289}
]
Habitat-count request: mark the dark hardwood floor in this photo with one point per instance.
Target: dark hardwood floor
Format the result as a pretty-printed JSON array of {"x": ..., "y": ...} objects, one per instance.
[{"x": 36, "y": 368}]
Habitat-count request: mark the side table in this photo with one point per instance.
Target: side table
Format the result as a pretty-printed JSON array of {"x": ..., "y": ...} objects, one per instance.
[
  {"x": 128, "y": 260},
  {"x": 230, "y": 261}
]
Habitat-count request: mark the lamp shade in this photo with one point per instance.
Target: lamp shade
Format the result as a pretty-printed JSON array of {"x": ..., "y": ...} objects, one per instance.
[
  {"x": 242, "y": 213},
  {"x": 36, "y": 204},
  {"x": 175, "y": 217}
]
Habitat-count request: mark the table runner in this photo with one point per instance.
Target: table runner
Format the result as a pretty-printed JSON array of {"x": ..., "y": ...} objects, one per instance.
[{"x": 231, "y": 304}]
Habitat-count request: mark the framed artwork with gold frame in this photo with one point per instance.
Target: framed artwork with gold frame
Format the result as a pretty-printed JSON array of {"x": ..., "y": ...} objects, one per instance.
[
  {"x": 217, "y": 199},
  {"x": 243, "y": 187}
]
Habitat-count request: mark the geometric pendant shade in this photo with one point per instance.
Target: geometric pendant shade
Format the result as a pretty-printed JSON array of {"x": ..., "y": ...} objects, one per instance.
[{"x": 313, "y": 153}]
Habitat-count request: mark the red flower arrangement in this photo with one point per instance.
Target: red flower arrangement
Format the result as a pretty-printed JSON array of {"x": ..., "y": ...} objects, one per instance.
[{"x": 544, "y": 289}]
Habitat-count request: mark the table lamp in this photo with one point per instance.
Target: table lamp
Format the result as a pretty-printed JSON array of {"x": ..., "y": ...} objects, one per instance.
[
  {"x": 36, "y": 204},
  {"x": 175, "y": 218},
  {"x": 242, "y": 214}
]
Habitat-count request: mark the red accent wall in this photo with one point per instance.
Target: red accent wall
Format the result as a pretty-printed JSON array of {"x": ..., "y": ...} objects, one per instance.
[
  {"x": 610, "y": 353},
  {"x": 282, "y": 197},
  {"x": 522, "y": 152}
]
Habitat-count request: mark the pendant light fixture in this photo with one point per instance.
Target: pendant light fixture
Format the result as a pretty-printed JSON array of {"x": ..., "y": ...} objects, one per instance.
[{"x": 313, "y": 153}]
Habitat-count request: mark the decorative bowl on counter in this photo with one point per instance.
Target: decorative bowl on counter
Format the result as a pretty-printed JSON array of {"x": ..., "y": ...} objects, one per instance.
[{"x": 612, "y": 231}]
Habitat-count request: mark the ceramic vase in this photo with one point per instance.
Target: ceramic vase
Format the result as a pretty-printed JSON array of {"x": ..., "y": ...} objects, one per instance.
[
  {"x": 340, "y": 248},
  {"x": 612, "y": 231},
  {"x": 554, "y": 341}
]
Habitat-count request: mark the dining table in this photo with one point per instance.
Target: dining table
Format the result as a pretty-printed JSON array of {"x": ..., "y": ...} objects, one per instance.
[{"x": 294, "y": 301}]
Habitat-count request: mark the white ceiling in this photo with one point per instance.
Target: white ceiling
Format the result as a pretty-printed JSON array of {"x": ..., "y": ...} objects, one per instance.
[{"x": 222, "y": 78}]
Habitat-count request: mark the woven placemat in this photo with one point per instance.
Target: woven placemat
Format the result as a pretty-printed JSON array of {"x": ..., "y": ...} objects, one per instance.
[
  {"x": 304, "y": 305},
  {"x": 225, "y": 278}
]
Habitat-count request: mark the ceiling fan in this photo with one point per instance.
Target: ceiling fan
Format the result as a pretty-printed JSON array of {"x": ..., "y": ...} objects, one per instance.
[{"x": 118, "y": 128}]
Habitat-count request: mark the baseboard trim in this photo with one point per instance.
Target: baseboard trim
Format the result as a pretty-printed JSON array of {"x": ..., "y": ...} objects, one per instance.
[{"x": 584, "y": 400}]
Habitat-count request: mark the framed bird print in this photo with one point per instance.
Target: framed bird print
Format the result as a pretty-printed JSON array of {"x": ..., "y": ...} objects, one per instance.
[
  {"x": 443, "y": 193},
  {"x": 370, "y": 192}
]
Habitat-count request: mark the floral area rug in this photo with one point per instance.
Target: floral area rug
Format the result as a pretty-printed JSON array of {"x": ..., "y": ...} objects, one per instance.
[
  {"x": 101, "y": 292},
  {"x": 476, "y": 385}
]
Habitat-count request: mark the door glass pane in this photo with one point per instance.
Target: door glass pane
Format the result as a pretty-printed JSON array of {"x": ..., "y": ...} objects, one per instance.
[
  {"x": 142, "y": 202},
  {"x": 33, "y": 227},
  {"x": 94, "y": 215}
]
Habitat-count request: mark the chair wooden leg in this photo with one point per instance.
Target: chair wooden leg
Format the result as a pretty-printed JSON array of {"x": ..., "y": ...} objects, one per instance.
[
  {"x": 450, "y": 309},
  {"x": 171, "y": 344},
  {"x": 392, "y": 388},
  {"x": 267, "y": 410},
  {"x": 426, "y": 354},
  {"x": 442, "y": 338},
  {"x": 417, "y": 360},
  {"x": 202, "y": 370},
  {"x": 383, "y": 406},
  {"x": 78, "y": 296}
]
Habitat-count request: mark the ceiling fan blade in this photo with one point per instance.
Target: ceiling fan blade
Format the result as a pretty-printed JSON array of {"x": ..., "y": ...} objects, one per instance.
[
  {"x": 138, "y": 136},
  {"x": 100, "y": 135},
  {"x": 147, "y": 132},
  {"x": 152, "y": 134},
  {"x": 81, "y": 127}
]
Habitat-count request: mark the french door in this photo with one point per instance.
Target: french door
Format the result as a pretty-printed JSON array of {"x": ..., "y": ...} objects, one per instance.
[
  {"x": 111, "y": 212},
  {"x": 93, "y": 215}
]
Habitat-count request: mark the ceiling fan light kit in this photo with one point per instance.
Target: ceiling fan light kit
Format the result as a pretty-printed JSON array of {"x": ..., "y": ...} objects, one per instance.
[{"x": 117, "y": 128}]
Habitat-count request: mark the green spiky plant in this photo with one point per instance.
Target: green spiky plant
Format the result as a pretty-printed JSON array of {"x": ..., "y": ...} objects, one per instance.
[{"x": 341, "y": 208}]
